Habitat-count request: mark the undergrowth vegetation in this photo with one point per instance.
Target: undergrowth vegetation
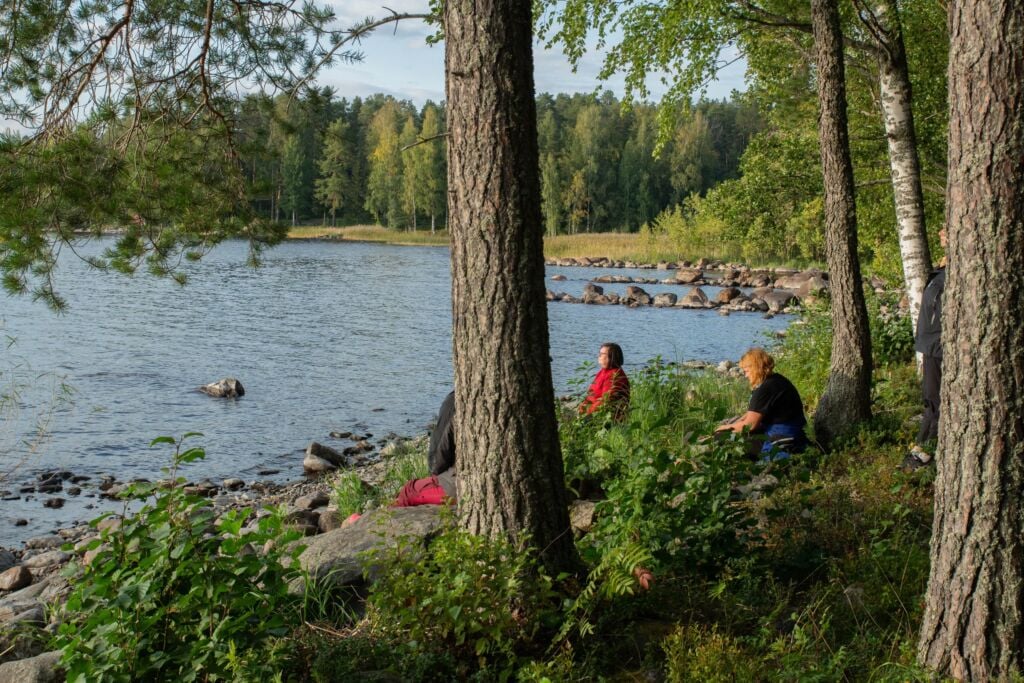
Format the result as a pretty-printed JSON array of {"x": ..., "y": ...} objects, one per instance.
[{"x": 805, "y": 569}]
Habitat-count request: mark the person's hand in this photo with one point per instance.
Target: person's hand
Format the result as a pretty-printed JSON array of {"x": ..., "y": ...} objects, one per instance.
[{"x": 644, "y": 577}]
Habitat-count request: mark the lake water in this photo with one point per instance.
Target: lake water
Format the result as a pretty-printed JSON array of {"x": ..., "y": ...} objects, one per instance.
[{"x": 324, "y": 336}]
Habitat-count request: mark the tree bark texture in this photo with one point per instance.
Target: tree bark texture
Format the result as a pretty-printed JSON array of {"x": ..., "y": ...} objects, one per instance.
[
  {"x": 973, "y": 627},
  {"x": 847, "y": 397},
  {"x": 511, "y": 477},
  {"x": 904, "y": 162}
]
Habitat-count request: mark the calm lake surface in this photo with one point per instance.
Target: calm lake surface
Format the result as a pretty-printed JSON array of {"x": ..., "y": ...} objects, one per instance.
[{"x": 325, "y": 336}]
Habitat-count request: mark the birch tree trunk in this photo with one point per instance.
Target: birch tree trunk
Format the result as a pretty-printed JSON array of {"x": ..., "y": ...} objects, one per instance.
[
  {"x": 511, "y": 478},
  {"x": 847, "y": 397},
  {"x": 973, "y": 626},
  {"x": 904, "y": 161}
]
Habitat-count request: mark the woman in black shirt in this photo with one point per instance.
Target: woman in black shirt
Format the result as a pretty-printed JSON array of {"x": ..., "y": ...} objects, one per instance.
[{"x": 775, "y": 409}]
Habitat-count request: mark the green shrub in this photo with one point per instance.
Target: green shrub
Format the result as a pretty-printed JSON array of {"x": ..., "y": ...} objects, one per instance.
[
  {"x": 175, "y": 594},
  {"x": 479, "y": 600},
  {"x": 699, "y": 655},
  {"x": 665, "y": 485}
]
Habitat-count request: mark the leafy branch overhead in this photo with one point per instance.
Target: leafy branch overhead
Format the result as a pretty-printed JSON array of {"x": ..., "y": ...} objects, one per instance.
[{"x": 129, "y": 111}]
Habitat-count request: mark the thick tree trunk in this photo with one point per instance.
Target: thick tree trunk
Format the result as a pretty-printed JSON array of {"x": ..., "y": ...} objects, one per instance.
[
  {"x": 847, "y": 398},
  {"x": 511, "y": 478},
  {"x": 973, "y": 627},
  {"x": 904, "y": 162}
]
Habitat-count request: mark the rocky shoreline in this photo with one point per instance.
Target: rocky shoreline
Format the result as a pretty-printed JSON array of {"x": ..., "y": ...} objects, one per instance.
[
  {"x": 32, "y": 577},
  {"x": 769, "y": 292}
]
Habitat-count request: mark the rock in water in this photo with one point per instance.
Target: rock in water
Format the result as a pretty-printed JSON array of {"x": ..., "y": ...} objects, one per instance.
[
  {"x": 320, "y": 458},
  {"x": 229, "y": 387}
]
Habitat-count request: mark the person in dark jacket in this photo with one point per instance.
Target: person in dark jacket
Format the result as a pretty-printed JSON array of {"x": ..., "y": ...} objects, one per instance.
[
  {"x": 928, "y": 342},
  {"x": 440, "y": 485}
]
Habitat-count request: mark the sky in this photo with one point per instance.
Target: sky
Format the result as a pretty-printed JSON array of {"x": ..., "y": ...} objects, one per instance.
[{"x": 397, "y": 61}]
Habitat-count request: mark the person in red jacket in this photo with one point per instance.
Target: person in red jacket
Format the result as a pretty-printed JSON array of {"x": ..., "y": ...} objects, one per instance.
[{"x": 610, "y": 386}]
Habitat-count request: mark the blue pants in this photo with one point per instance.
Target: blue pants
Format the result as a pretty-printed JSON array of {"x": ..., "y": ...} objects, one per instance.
[{"x": 783, "y": 430}]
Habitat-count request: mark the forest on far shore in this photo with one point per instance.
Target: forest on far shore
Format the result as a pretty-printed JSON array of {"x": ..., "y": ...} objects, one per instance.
[{"x": 382, "y": 160}]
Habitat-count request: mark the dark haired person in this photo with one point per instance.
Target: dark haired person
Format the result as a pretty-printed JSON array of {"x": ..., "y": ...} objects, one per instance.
[
  {"x": 440, "y": 485},
  {"x": 928, "y": 342},
  {"x": 610, "y": 386},
  {"x": 775, "y": 409}
]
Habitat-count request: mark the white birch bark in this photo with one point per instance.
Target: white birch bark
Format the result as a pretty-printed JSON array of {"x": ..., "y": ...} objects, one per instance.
[{"x": 904, "y": 164}]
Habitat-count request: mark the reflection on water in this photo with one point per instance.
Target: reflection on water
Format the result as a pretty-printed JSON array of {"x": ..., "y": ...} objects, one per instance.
[{"x": 324, "y": 336}]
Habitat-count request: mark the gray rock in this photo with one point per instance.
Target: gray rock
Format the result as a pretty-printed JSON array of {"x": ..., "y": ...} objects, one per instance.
[
  {"x": 7, "y": 559},
  {"x": 337, "y": 557},
  {"x": 12, "y": 607},
  {"x": 581, "y": 516},
  {"x": 312, "y": 501},
  {"x": 233, "y": 484},
  {"x": 54, "y": 503},
  {"x": 665, "y": 299},
  {"x": 598, "y": 299},
  {"x": 15, "y": 578},
  {"x": 727, "y": 295},
  {"x": 51, "y": 557},
  {"x": 44, "y": 668},
  {"x": 229, "y": 387},
  {"x": 591, "y": 288},
  {"x": 318, "y": 450},
  {"x": 44, "y": 542},
  {"x": 329, "y": 521},
  {"x": 305, "y": 521},
  {"x": 636, "y": 295},
  {"x": 558, "y": 278},
  {"x": 689, "y": 275},
  {"x": 778, "y": 299},
  {"x": 695, "y": 298}
]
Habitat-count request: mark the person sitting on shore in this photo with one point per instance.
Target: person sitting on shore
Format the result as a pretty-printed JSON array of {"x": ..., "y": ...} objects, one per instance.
[
  {"x": 610, "y": 386},
  {"x": 440, "y": 485},
  {"x": 775, "y": 413}
]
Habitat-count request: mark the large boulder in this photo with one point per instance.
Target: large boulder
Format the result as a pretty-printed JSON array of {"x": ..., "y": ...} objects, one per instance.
[
  {"x": 778, "y": 299},
  {"x": 15, "y": 578},
  {"x": 665, "y": 299},
  {"x": 229, "y": 387},
  {"x": 7, "y": 559},
  {"x": 796, "y": 280},
  {"x": 44, "y": 668},
  {"x": 637, "y": 295},
  {"x": 727, "y": 294},
  {"x": 320, "y": 458},
  {"x": 689, "y": 275},
  {"x": 591, "y": 288},
  {"x": 812, "y": 286},
  {"x": 338, "y": 558},
  {"x": 695, "y": 298}
]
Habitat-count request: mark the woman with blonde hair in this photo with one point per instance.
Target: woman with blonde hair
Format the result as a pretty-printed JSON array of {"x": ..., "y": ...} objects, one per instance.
[{"x": 775, "y": 410}]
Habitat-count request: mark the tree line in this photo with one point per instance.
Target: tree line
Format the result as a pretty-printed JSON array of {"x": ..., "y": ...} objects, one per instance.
[{"x": 380, "y": 159}]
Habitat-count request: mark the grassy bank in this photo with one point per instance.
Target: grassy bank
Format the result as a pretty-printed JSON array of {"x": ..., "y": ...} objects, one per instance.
[
  {"x": 371, "y": 233},
  {"x": 620, "y": 246}
]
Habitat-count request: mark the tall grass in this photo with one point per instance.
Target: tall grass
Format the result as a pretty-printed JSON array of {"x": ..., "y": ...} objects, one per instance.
[{"x": 371, "y": 233}]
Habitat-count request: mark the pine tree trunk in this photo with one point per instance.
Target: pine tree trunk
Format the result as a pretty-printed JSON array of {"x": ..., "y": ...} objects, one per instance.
[
  {"x": 904, "y": 163},
  {"x": 847, "y": 397},
  {"x": 973, "y": 626},
  {"x": 510, "y": 465}
]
